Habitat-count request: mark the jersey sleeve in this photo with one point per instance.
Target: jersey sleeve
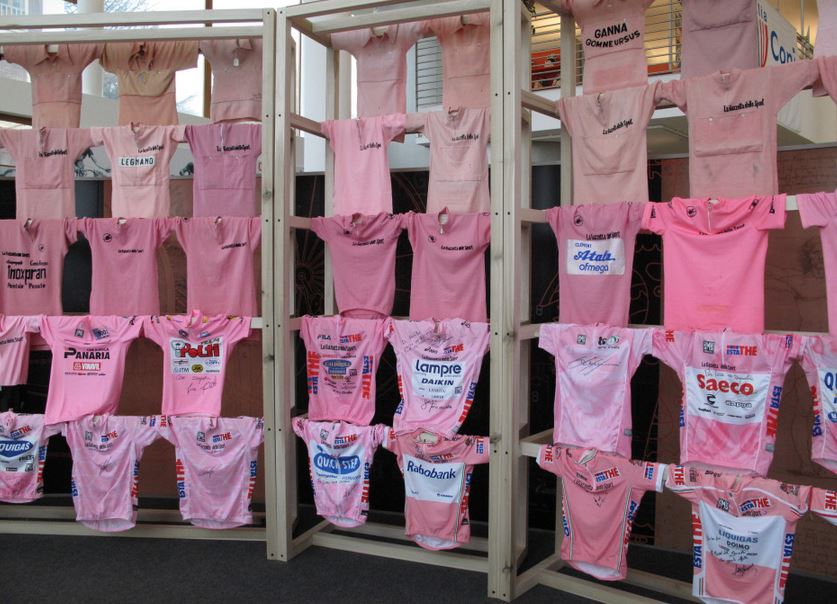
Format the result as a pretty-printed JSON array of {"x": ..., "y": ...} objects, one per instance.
[
  {"x": 305, "y": 331},
  {"x": 132, "y": 330},
  {"x": 152, "y": 330},
  {"x": 239, "y": 329},
  {"x": 771, "y": 212},
  {"x": 71, "y": 229},
  {"x": 674, "y": 91},
  {"x": 379, "y": 338},
  {"x": 79, "y": 140},
  {"x": 182, "y": 230},
  {"x": 417, "y": 122},
  {"x": 298, "y": 425},
  {"x": 97, "y": 136},
  {"x": 553, "y": 218},
  {"x": 345, "y": 40},
  {"x": 484, "y": 229},
  {"x": 649, "y": 476},
  {"x": 164, "y": 429},
  {"x": 565, "y": 113},
  {"x": 443, "y": 26},
  {"x": 548, "y": 458},
  {"x": 410, "y": 33},
  {"x": 633, "y": 217},
  {"x": 548, "y": 338},
  {"x": 255, "y": 431},
  {"x": 46, "y": 329},
  {"x": 409, "y": 220},
  {"x": 654, "y": 217},
  {"x": 478, "y": 449},
  {"x": 184, "y": 54},
  {"x": 254, "y": 231},
  {"x": 816, "y": 209},
  {"x": 642, "y": 344},
  {"x": 327, "y": 129},
  {"x": 789, "y": 79},
  {"x": 162, "y": 230},
  {"x": 254, "y": 135},
  {"x": 379, "y": 433},
  {"x": 390, "y": 441},
  {"x": 824, "y": 504},
  {"x": 145, "y": 431},
  {"x": 679, "y": 481},
  {"x": 393, "y": 125},
  {"x": 52, "y": 430},
  {"x": 670, "y": 346},
  {"x": 319, "y": 226}
]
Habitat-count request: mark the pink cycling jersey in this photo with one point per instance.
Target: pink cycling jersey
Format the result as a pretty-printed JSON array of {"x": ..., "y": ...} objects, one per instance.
[
  {"x": 824, "y": 504},
  {"x": 106, "y": 454},
  {"x": 820, "y": 210},
  {"x": 14, "y": 348},
  {"x": 601, "y": 495},
  {"x": 819, "y": 360},
  {"x": 743, "y": 530},
  {"x": 437, "y": 481},
  {"x": 438, "y": 365},
  {"x": 23, "y": 449},
  {"x": 340, "y": 457},
  {"x": 732, "y": 387}
]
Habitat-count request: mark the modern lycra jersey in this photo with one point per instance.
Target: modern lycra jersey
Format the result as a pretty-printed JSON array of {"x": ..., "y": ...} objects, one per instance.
[
  {"x": 732, "y": 387},
  {"x": 824, "y": 504},
  {"x": 819, "y": 360},
  {"x": 601, "y": 495},
  {"x": 743, "y": 530},
  {"x": 23, "y": 449}
]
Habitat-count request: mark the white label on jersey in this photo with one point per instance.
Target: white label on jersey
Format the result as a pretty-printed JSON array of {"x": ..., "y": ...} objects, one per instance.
[
  {"x": 605, "y": 257},
  {"x": 197, "y": 359},
  {"x": 136, "y": 161},
  {"x": 438, "y": 380},
  {"x": 433, "y": 481},
  {"x": 828, "y": 394},
  {"x": 731, "y": 398},
  {"x": 743, "y": 540},
  {"x": 331, "y": 465}
]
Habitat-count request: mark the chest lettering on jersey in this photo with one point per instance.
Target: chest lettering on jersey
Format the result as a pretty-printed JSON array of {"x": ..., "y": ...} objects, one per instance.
[
  {"x": 52, "y": 152},
  {"x": 429, "y": 481},
  {"x": 732, "y": 398},
  {"x": 136, "y": 161},
  {"x": 750, "y": 104},
  {"x": 611, "y": 36},
  {"x": 597, "y": 257},
  {"x": 826, "y": 402},
  {"x": 15, "y": 448},
  {"x": 205, "y": 357},
  {"x": 438, "y": 380}
]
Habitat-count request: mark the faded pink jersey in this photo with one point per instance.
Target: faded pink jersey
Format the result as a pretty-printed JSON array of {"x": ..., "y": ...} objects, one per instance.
[
  {"x": 610, "y": 151},
  {"x": 14, "y": 348},
  {"x": 342, "y": 357},
  {"x": 448, "y": 279},
  {"x": 106, "y": 454},
  {"x": 466, "y": 61},
  {"x": 381, "y": 65},
  {"x": 33, "y": 264},
  {"x": 225, "y": 160},
  {"x": 23, "y": 450},
  {"x": 45, "y": 169},
  {"x": 594, "y": 365},
  {"x": 340, "y": 459},
  {"x": 732, "y": 388},
  {"x": 196, "y": 351},
  {"x": 362, "y": 250},
  {"x": 216, "y": 464},
  {"x": 88, "y": 364},
  {"x": 56, "y": 80},
  {"x": 120, "y": 248},
  {"x": 824, "y": 504},
  {"x": 820, "y": 210},
  {"x": 595, "y": 260},
  {"x": 361, "y": 166},
  {"x": 438, "y": 365},
  {"x": 743, "y": 530},
  {"x": 732, "y": 125},
  {"x": 819, "y": 360},
  {"x": 719, "y": 34},
  {"x": 437, "y": 474},
  {"x": 714, "y": 253},
  {"x": 236, "y": 78},
  {"x": 601, "y": 496},
  {"x": 827, "y": 62},
  {"x": 220, "y": 263}
]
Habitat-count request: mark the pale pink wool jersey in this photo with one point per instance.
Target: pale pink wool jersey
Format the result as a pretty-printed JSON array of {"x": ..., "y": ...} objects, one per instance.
[
  {"x": 140, "y": 157},
  {"x": 362, "y": 250},
  {"x": 448, "y": 278},
  {"x": 593, "y": 369},
  {"x": 595, "y": 260},
  {"x": 826, "y": 42},
  {"x": 714, "y": 252},
  {"x": 33, "y": 257},
  {"x": 732, "y": 125},
  {"x": 216, "y": 464},
  {"x": 819, "y": 360},
  {"x": 342, "y": 357},
  {"x": 719, "y": 34},
  {"x": 196, "y": 351},
  {"x": 820, "y": 210},
  {"x": 45, "y": 169},
  {"x": 220, "y": 263},
  {"x": 14, "y": 348},
  {"x": 106, "y": 454},
  {"x": 23, "y": 450},
  {"x": 88, "y": 364},
  {"x": 438, "y": 366},
  {"x": 124, "y": 254},
  {"x": 437, "y": 474},
  {"x": 56, "y": 80},
  {"x": 361, "y": 166},
  {"x": 340, "y": 459},
  {"x": 381, "y": 65},
  {"x": 824, "y": 504},
  {"x": 466, "y": 61},
  {"x": 226, "y": 162},
  {"x": 601, "y": 496},
  {"x": 236, "y": 78},
  {"x": 732, "y": 388},
  {"x": 610, "y": 153},
  {"x": 743, "y": 530}
]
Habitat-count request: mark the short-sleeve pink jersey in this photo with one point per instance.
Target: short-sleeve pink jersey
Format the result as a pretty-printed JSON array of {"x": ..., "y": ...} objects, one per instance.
[
  {"x": 33, "y": 264},
  {"x": 196, "y": 350},
  {"x": 743, "y": 530},
  {"x": 438, "y": 366},
  {"x": 601, "y": 496},
  {"x": 56, "y": 80},
  {"x": 381, "y": 65},
  {"x": 342, "y": 357},
  {"x": 437, "y": 482},
  {"x": 362, "y": 250},
  {"x": 340, "y": 459},
  {"x": 124, "y": 253},
  {"x": 714, "y": 252},
  {"x": 820, "y": 210},
  {"x": 593, "y": 369},
  {"x": 595, "y": 260},
  {"x": 732, "y": 125},
  {"x": 819, "y": 360},
  {"x": 719, "y": 34},
  {"x": 45, "y": 169},
  {"x": 732, "y": 388},
  {"x": 23, "y": 450},
  {"x": 824, "y": 504},
  {"x": 88, "y": 364},
  {"x": 361, "y": 166},
  {"x": 225, "y": 159},
  {"x": 216, "y": 464},
  {"x": 236, "y": 78},
  {"x": 220, "y": 263},
  {"x": 448, "y": 279},
  {"x": 140, "y": 157},
  {"x": 106, "y": 454},
  {"x": 466, "y": 60},
  {"x": 14, "y": 348},
  {"x": 610, "y": 152}
]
